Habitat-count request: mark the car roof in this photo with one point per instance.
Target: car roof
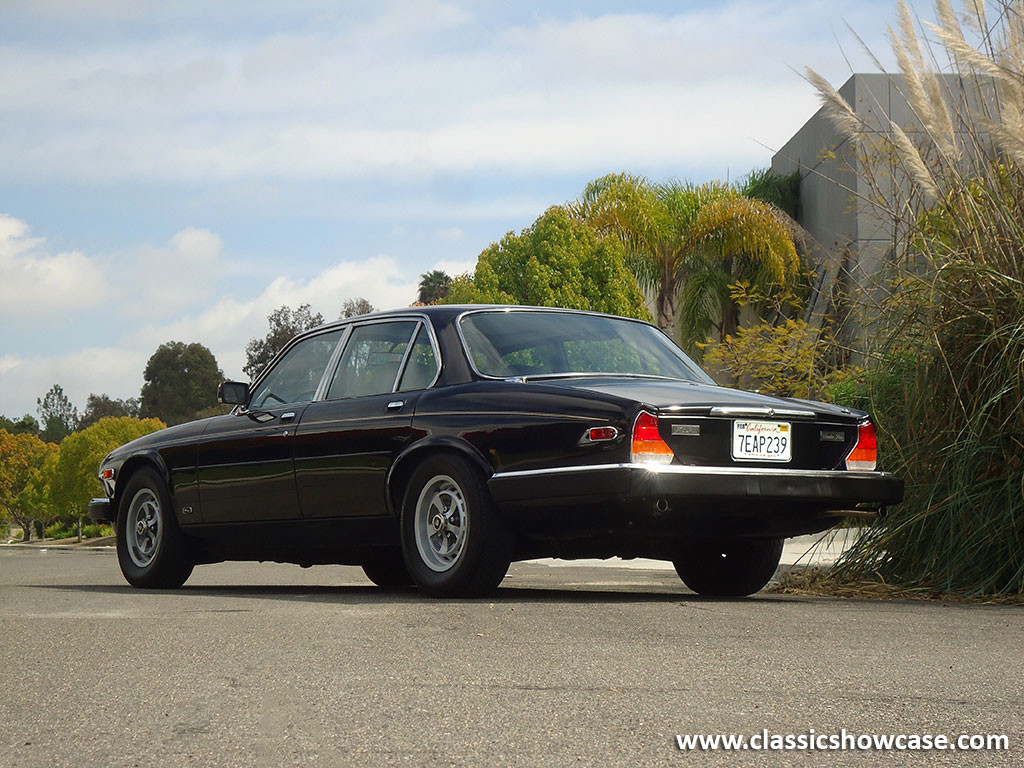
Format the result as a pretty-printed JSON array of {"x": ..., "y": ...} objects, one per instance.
[{"x": 448, "y": 312}]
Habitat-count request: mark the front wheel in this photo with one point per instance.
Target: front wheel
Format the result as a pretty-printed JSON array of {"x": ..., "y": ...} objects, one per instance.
[
  {"x": 454, "y": 543},
  {"x": 729, "y": 568},
  {"x": 150, "y": 548}
]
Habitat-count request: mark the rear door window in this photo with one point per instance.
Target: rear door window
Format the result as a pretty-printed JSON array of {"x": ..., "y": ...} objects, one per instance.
[{"x": 372, "y": 358}]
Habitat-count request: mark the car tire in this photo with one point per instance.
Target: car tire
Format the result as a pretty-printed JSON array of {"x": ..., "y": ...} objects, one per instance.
[
  {"x": 388, "y": 570},
  {"x": 150, "y": 547},
  {"x": 454, "y": 543},
  {"x": 729, "y": 568}
]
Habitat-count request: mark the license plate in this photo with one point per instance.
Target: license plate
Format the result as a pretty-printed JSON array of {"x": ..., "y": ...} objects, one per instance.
[{"x": 761, "y": 441}]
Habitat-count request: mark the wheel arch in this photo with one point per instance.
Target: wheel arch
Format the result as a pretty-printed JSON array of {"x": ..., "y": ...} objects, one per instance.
[
  {"x": 132, "y": 465},
  {"x": 407, "y": 461}
]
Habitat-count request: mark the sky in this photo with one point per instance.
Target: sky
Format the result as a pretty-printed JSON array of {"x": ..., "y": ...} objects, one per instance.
[{"x": 176, "y": 171}]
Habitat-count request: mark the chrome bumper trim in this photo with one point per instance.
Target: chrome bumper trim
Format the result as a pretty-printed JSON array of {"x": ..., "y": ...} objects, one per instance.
[{"x": 681, "y": 469}]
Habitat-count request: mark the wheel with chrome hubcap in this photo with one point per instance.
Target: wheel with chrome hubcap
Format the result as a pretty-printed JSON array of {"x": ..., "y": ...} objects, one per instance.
[
  {"x": 143, "y": 527},
  {"x": 455, "y": 544},
  {"x": 150, "y": 549},
  {"x": 441, "y": 523}
]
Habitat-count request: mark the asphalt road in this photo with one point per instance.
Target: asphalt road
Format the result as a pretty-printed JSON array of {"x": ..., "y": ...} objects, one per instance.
[{"x": 273, "y": 665}]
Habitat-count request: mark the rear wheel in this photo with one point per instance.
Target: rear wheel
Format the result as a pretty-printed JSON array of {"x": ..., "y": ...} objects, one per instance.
[
  {"x": 455, "y": 544},
  {"x": 150, "y": 548},
  {"x": 728, "y": 568},
  {"x": 387, "y": 569}
]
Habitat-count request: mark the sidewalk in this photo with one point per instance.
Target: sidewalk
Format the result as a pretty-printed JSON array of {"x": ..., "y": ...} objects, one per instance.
[{"x": 817, "y": 549}]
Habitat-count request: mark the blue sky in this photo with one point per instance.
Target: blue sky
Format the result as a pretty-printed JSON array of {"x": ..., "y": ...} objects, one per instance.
[{"x": 178, "y": 170}]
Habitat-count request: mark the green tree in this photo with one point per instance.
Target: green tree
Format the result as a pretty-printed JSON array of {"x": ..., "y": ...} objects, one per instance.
[
  {"x": 180, "y": 380},
  {"x": 556, "y": 262},
  {"x": 782, "y": 191},
  {"x": 20, "y": 456},
  {"x": 355, "y": 307},
  {"x": 57, "y": 416},
  {"x": 285, "y": 323},
  {"x": 434, "y": 286},
  {"x": 701, "y": 238},
  {"x": 74, "y": 480},
  {"x": 103, "y": 406},
  {"x": 26, "y": 423},
  {"x": 35, "y": 503}
]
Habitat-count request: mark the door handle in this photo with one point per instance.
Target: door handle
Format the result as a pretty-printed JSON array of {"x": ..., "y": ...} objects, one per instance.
[
  {"x": 288, "y": 416},
  {"x": 396, "y": 405}
]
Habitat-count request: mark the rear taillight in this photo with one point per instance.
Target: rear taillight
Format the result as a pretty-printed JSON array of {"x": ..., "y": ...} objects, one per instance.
[
  {"x": 864, "y": 456},
  {"x": 648, "y": 447}
]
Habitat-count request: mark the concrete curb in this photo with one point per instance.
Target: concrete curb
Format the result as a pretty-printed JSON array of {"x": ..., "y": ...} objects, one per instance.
[{"x": 106, "y": 542}]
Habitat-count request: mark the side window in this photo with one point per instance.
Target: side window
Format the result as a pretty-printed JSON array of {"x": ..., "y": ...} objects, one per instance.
[
  {"x": 369, "y": 365},
  {"x": 422, "y": 366},
  {"x": 296, "y": 376}
]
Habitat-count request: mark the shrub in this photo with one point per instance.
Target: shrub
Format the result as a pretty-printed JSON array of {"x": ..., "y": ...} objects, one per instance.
[
  {"x": 58, "y": 531},
  {"x": 948, "y": 380},
  {"x": 95, "y": 530},
  {"x": 784, "y": 359}
]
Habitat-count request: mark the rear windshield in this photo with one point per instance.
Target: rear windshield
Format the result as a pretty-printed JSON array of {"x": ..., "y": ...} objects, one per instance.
[{"x": 508, "y": 343}]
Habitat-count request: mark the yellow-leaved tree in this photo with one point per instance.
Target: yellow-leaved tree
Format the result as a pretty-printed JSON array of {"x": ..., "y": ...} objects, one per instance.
[
  {"x": 22, "y": 457},
  {"x": 75, "y": 479}
]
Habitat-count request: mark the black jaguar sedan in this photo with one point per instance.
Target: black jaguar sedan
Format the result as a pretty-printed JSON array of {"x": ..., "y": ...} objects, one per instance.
[{"x": 435, "y": 445}]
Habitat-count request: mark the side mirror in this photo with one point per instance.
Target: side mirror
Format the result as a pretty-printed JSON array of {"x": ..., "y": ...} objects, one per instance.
[{"x": 233, "y": 393}]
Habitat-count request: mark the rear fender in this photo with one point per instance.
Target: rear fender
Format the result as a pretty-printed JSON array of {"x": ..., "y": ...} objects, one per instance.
[{"x": 409, "y": 459}]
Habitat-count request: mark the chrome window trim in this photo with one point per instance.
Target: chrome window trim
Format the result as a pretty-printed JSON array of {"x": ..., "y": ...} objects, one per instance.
[
  {"x": 555, "y": 311},
  {"x": 405, "y": 357},
  {"x": 437, "y": 359},
  {"x": 582, "y": 374},
  {"x": 284, "y": 353},
  {"x": 687, "y": 469},
  {"x": 354, "y": 323},
  {"x": 346, "y": 325},
  {"x": 332, "y": 364}
]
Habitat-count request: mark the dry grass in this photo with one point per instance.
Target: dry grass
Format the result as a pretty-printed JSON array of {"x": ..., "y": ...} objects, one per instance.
[
  {"x": 945, "y": 377},
  {"x": 821, "y": 582}
]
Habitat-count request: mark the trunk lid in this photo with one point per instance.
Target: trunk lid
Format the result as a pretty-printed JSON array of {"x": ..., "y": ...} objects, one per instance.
[{"x": 705, "y": 424}]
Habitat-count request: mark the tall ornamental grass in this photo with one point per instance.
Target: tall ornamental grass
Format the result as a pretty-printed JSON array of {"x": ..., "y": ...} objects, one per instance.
[{"x": 945, "y": 377}]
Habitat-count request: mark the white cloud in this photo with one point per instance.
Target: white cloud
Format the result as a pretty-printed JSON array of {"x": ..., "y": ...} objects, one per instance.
[
  {"x": 455, "y": 268},
  {"x": 224, "y": 327},
  {"x": 159, "y": 280},
  {"x": 46, "y": 285},
  {"x": 405, "y": 116},
  {"x": 420, "y": 89},
  {"x": 450, "y": 234},
  {"x": 9, "y": 363}
]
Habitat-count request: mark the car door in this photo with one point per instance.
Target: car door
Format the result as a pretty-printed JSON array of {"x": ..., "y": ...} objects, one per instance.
[
  {"x": 246, "y": 465},
  {"x": 345, "y": 444}
]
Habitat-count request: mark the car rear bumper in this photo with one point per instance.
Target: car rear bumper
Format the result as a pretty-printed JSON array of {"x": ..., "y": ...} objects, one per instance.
[
  {"x": 688, "y": 500},
  {"x": 101, "y": 510}
]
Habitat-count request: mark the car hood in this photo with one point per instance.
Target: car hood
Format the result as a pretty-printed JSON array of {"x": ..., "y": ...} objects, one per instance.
[
  {"x": 179, "y": 433},
  {"x": 668, "y": 396}
]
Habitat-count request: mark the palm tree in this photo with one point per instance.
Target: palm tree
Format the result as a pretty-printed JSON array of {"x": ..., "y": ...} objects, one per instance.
[
  {"x": 434, "y": 285},
  {"x": 691, "y": 245}
]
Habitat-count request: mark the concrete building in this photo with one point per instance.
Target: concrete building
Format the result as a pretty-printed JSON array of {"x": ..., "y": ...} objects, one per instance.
[{"x": 842, "y": 211}]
